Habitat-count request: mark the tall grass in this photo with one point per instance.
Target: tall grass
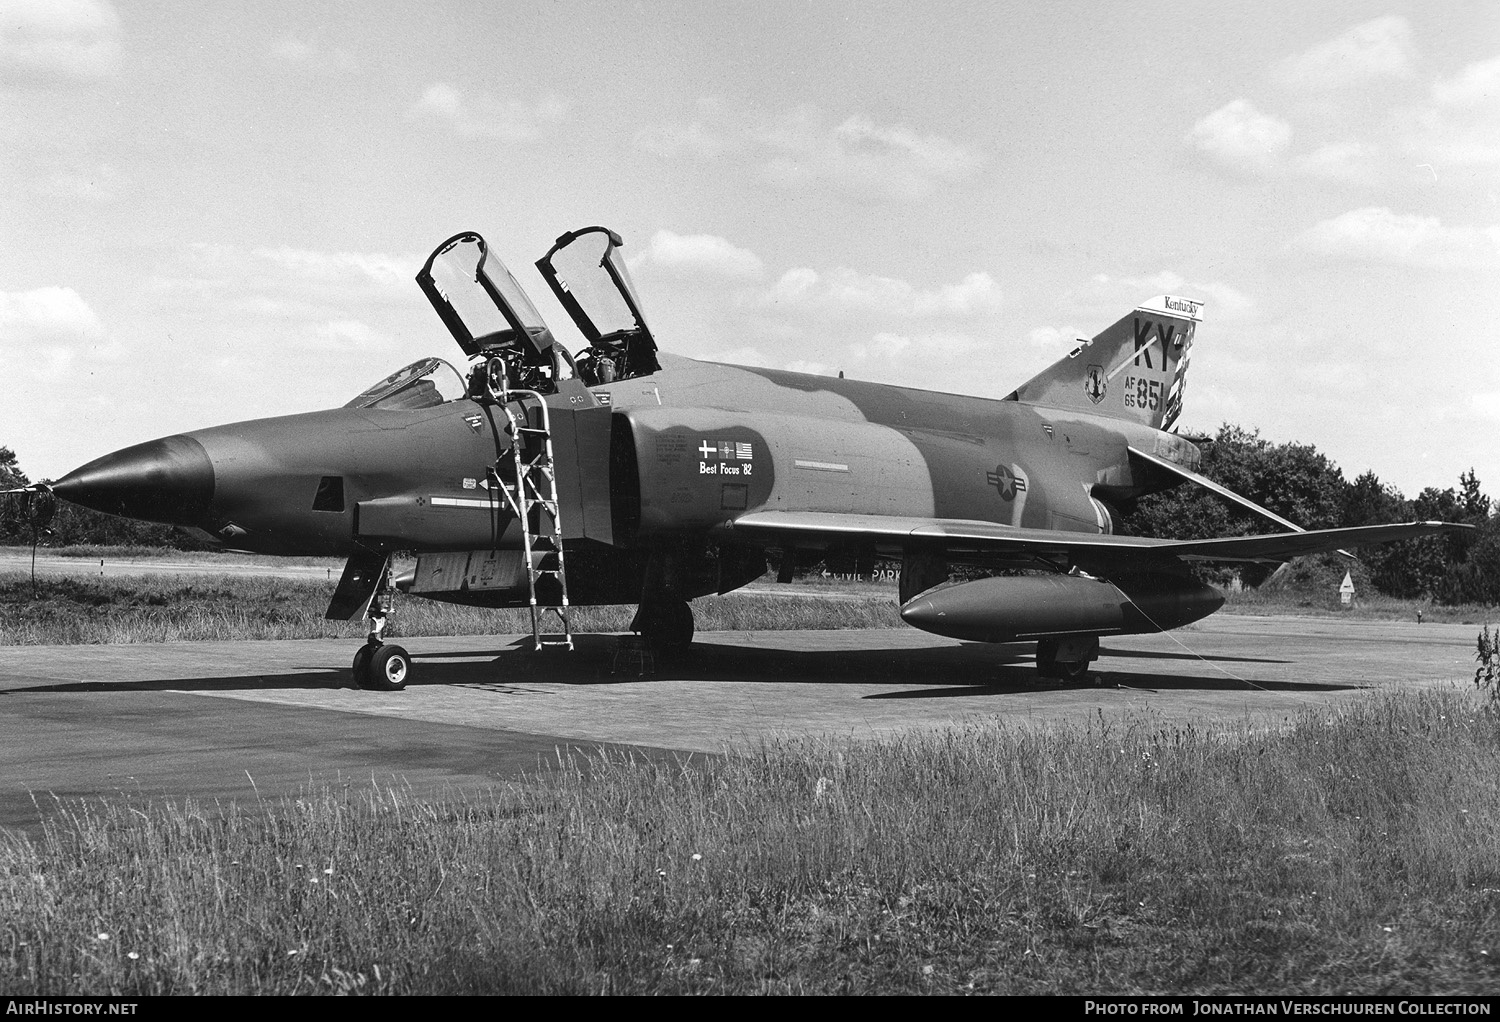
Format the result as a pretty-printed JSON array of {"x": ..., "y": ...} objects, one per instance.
[
  {"x": 1366, "y": 607},
  {"x": 1351, "y": 851},
  {"x": 158, "y": 608},
  {"x": 165, "y": 608}
]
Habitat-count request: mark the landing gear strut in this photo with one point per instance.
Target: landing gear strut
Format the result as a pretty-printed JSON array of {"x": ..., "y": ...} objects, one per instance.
[
  {"x": 379, "y": 665},
  {"x": 665, "y": 624},
  {"x": 1066, "y": 658}
]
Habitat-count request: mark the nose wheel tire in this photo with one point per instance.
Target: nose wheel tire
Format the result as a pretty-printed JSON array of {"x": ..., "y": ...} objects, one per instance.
[{"x": 384, "y": 668}]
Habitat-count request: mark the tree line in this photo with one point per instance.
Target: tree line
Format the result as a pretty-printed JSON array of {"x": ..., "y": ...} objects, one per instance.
[
  {"x": 72, "y": 525},
  {"x": 1294, "y": 480},
  {"x": 1302, "y": 485}
]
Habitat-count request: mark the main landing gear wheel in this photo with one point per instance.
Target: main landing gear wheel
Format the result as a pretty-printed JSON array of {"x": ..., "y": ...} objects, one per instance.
[
  {"x": 666, "y": 625},
  {"x": 1080, "y": 653}
]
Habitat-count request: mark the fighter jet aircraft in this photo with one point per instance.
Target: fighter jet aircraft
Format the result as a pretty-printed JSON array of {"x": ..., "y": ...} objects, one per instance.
[{"x": 535, "y": 478}]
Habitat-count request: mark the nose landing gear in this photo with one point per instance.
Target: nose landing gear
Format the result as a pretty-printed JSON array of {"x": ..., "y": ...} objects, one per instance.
[{"x": 385, "y": 667}]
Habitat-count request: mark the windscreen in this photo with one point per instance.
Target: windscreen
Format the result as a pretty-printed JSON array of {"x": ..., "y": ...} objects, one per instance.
[{"x": 423, "y": 384}]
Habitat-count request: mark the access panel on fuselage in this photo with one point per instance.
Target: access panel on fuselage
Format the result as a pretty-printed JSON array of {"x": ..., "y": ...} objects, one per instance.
[
  {"x": 580, "y": 450},
  {"x": 700, "y": 467}
]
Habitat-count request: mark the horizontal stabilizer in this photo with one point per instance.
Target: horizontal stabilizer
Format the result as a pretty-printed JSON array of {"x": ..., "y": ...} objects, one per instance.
[
  {"x": 963, "y": 536},
  {"x": 1208, "y": 484},
  {"x": 1283, "y": 546}
]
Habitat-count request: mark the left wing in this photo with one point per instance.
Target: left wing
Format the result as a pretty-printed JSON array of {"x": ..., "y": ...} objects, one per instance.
[{"x": 968, "y": 536}]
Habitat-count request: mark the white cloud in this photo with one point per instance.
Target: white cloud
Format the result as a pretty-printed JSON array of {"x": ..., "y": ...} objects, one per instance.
[
  {"x": 861, "y": 157},
  {"x": 1160, "y": 281},
  {"x": 274, "y": 299},
  {"x": 97, "y": 184},
  {"x": 936, "y": 360},
  {"x": 1212, "y": 403},
  {"x": 875, "y": 327},
  {"x": 677, "y": 138},
  {"x": 884, "y": 347},
  {"x": 1060, "y": 338},
  {"x": 1389, "y": 129},
  {"x": 1458, "y": 128},
  {"x": 1243, "y": 138},
  {"x": 1486, "y": 405},
  {"x": 925, "y": 347},
  {"x": 1446, "y": 140},
  {"x": 58, "y": 42},
  {"x": 1378, "y": 235},
  {"x": 486, "y": 116},
  {"x": 44, "y": 332},
  {"x": 47, "y": 314},
  {"x": 801, "y": 150},
  {"x": 1476, "y": 85},
  {"x": 743, "y": 356},
  {"x": 314, "y": 57},
  {"x": 349, "y": 335},
  {"x": 1224, "y": 302},
  {"x": 1349, "y": 161},
  {"x": 802, "y": 365},
  {"x": 699, "y": 253},
  {"x": 793, "y": 285},
  {"x": 1115, "y": 296},
  {"x": 348, "y": 267},
  {"x": 1365, "y": 53},
  {"x": 847, "y": 292},
  {"x": 932, "y": 154}
]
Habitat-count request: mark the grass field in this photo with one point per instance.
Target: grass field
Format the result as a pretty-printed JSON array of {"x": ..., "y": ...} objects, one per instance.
[
  {"x": 63, "y": 609},
  {"x": 82, "y": 608},
  {"x": 1354, "y": 851}
]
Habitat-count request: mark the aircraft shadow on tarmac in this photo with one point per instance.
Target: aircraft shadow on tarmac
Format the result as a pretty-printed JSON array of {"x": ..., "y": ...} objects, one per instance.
[
  {"x": 1010, "y": 681},
  {"x": 1151, "y": 654},
  {"x": 321, "y": 678},
  {"x": 967, "y": 670}
]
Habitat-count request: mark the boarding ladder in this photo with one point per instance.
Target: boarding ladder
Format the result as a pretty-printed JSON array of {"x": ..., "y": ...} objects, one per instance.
[{"x": 533, "y": 499}]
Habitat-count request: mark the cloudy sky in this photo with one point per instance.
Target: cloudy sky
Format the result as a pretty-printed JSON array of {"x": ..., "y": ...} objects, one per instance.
[{"x": 212, "y": 212}]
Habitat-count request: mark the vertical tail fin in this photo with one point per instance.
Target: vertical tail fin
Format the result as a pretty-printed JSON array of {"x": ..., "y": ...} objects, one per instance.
[{"x": 1134, "y": 370}]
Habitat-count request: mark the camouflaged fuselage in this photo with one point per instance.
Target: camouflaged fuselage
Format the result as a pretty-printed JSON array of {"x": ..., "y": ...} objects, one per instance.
[{"x": 712, "y": 441}]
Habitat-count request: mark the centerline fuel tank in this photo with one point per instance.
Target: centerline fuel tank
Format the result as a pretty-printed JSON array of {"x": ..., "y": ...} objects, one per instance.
[{"x": 1010, "y": 609}]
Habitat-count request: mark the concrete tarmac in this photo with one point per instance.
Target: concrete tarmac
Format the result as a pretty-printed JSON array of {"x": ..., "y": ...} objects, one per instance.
[{"x": 246, "y": 720}]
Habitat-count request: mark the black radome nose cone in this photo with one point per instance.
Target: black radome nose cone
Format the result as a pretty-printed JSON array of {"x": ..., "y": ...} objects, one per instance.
[{"x": 169, "y": 480}]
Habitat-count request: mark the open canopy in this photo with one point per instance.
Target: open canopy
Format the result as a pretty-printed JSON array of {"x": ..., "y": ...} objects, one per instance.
[
  {"x": 479, "y": 301},
  {"x": 588, "y": 276}
]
